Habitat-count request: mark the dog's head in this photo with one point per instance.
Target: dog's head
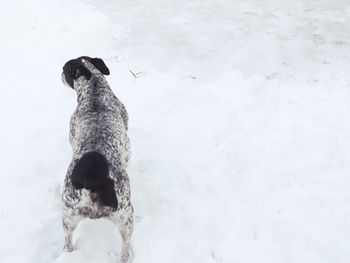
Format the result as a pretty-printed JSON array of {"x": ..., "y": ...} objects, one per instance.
[{"x": 76, "y": 68}]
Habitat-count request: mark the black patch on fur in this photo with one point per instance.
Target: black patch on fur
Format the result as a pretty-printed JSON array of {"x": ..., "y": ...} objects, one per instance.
[
  {"x": 98, "y": 63},
  {"x": 91, "y": 172},
  {"x": 73, "y": 69}
]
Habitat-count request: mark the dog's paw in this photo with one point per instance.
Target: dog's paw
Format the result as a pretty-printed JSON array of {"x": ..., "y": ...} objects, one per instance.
[
  {"x": 126, "y": 255},
  {"x": 67, "y": 248}
]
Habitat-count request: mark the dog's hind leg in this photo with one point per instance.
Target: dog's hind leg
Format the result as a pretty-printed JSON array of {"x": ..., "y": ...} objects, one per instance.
[
  {"x": 70, "y": 222},
  {"x": 125, "y": 224},
  {"x": 126, "y": 231}
]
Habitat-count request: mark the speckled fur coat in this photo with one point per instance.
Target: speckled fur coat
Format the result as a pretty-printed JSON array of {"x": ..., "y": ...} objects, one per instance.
[{"x": 99, "y": 124}]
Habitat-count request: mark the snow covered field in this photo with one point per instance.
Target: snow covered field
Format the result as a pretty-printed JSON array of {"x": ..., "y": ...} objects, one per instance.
[{"x": 239, "y": 124}]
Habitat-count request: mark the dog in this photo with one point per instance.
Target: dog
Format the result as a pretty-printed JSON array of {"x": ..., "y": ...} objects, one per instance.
[{"x": 96, "y": 184}]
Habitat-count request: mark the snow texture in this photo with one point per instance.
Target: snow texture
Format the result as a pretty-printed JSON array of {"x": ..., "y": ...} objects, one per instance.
[{"x": 239, "y": 128}]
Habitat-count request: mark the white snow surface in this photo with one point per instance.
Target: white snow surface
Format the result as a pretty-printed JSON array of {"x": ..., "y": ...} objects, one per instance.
[{"x": 239, "y": 126}]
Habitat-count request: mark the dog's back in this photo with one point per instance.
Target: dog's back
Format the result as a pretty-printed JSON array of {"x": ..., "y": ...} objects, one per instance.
[{"x": 99, "y": 122}]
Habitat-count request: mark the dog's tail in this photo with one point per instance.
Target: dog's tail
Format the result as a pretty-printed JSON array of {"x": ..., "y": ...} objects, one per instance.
[{"x": 91, "y": 172}]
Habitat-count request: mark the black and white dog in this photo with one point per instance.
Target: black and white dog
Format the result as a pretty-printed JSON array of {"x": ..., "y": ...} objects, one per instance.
[{"x": 97, "y": 184}]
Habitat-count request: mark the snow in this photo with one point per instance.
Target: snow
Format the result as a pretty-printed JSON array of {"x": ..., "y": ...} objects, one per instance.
[{"x": 239, "y": 127}]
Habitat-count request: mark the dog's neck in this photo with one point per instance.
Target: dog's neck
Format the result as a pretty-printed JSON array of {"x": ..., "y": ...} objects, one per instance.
[
  {"x": 84, "y": 89},
  {"x": 90, "y": 91}
]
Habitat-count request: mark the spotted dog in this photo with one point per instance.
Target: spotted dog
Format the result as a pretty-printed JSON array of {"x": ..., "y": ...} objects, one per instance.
[{"x": 96, "y": 184}]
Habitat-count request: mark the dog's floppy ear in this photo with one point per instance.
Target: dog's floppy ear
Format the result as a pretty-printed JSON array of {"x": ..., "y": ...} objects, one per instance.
[{"x": 100, "y": 65}]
